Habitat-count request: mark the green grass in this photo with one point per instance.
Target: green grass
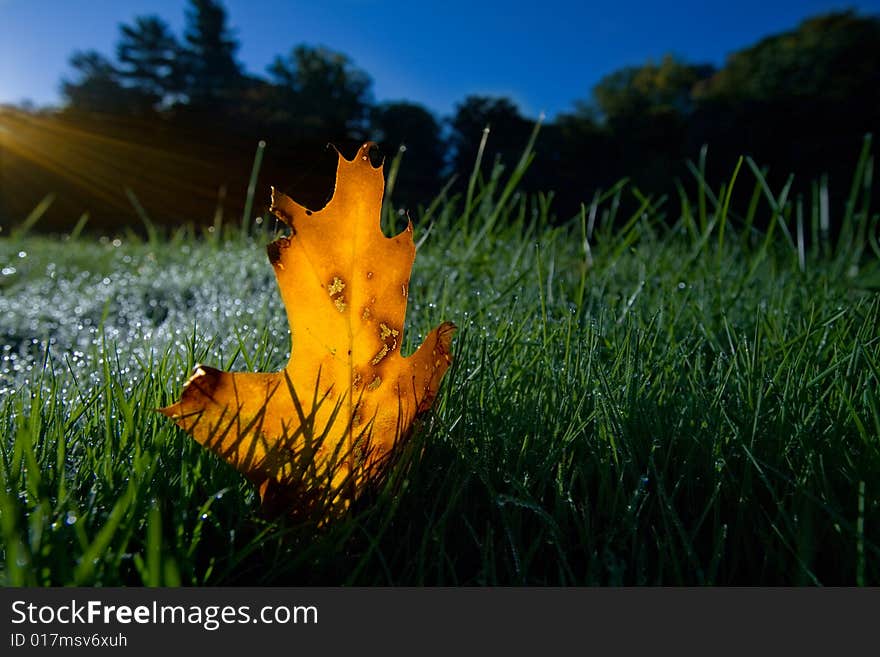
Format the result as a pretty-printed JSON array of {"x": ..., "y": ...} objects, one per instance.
[{"x": 666, "y": 397}]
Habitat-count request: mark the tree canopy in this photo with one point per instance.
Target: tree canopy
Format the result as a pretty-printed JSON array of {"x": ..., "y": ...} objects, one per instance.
[
  {"x": 796, "y": 101},
  {"x": 211, "y": 72},
  {"x": 322, "y": 92},
  {"x": 834, "y": 56},
  {"x": 652, "y": 88},
  {"x": 148, "y": 55}
]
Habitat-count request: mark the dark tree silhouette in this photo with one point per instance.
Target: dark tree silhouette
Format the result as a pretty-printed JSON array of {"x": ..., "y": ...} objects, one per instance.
[
  {"x": 509, "y": 132},
  {"x": 662, "y": 88},
  {"x": 97, "y": 87},
  {"x": 148, "y": 59},
  {"x": 799, "y": 101},
  {"x": 646, "y": 109},
  {"x": 835, "y": 56},
  {"x": 211, "y": 73},
  {"x": 322, "y": 93},
  {"x": 402, "y": 124},
  {"x": 576, "y": 154}
]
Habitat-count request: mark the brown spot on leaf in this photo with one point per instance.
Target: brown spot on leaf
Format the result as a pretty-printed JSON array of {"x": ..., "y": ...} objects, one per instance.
[
  {"x": 336, "y": 286},
  {"x": 379, "y": 356},
  {"x": 273, "y": 250},
  {"x": 385, "y": 332},
  {"x": 204, "y": 379}
]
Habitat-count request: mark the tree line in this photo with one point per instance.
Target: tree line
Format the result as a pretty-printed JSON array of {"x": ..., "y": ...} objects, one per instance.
[{"x": 800, "y": 101}]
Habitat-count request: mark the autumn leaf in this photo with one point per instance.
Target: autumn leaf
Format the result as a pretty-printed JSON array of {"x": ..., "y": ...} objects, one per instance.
[{"x": 318, "y": 432}]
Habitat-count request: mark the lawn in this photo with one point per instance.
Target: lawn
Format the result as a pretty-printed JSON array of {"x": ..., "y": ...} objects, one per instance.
[{"x": 682, "y": 392}]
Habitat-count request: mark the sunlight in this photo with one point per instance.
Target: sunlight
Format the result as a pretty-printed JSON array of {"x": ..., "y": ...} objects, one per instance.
[{"x": 94, "y": 162}]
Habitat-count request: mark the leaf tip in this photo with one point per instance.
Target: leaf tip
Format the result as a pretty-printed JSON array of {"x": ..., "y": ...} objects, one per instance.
[
  {"x": 368, "y": 151},
  {"x": 168, "y": 411},
  {"x": 286, "y": 209}
]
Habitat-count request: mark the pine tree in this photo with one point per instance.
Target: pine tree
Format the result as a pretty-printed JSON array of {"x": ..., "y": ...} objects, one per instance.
[
  {"x": 148, "y": 56},
  {"x": 97, "y": 87},
  {"x": 212, "y": 74}
]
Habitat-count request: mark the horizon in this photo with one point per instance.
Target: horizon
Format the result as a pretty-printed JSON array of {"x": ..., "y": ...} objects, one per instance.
[{"x": 537, "y": 63}]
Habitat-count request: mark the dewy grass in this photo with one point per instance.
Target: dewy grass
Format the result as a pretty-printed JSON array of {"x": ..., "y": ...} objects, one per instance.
[{"x": 635, "y": 399}]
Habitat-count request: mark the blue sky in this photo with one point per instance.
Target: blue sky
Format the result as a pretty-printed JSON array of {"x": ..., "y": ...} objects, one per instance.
[{"x": 545, "y": 55}]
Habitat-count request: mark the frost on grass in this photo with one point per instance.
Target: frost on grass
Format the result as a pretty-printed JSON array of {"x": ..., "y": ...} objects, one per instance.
[
  {"x": 134, "y": 305},
  {"x": 65, "y": 306}
]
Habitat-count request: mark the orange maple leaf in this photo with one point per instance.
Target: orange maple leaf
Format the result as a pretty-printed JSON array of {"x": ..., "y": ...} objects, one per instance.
[{"x": 316, "y": 433}]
